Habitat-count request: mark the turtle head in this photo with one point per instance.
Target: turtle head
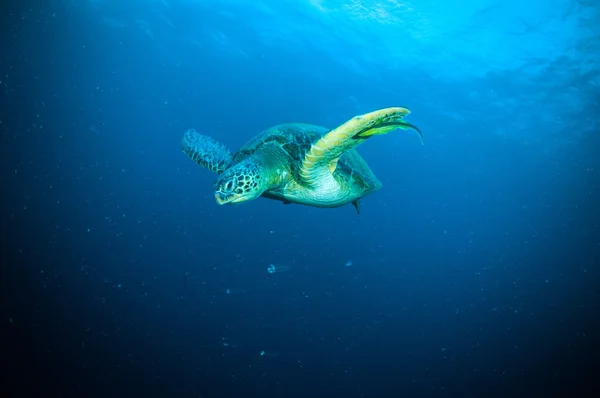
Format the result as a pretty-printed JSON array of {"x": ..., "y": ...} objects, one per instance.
[{"x": 240, "y": 183}]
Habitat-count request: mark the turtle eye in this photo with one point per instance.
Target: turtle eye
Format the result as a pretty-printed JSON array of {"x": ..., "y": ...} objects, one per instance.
[{"x": 229, "y": 185}]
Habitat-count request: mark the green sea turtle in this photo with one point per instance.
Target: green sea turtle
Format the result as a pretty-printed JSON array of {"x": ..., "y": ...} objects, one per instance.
[{"x": 297, "y": 163}]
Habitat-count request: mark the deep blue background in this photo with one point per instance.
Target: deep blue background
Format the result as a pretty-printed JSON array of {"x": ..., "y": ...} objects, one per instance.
[{"x": 475, "y": 270}]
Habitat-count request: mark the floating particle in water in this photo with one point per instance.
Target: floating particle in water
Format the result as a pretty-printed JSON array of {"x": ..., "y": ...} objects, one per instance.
[
  {"x": 273, "y": 268},
  {"x": 349, "y": 263}
]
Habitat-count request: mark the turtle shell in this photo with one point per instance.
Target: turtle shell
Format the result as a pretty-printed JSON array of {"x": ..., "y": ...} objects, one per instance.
[{"x": 293, "y": 138}]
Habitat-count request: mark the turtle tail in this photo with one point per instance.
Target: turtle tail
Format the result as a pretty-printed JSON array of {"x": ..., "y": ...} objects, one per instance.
[{"x": 205, "y": 151}]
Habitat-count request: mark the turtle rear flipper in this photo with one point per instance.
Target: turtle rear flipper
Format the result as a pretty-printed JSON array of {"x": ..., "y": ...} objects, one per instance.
[
  {"x": 205, "y": 151},
  {"x": 324, "y": 154}
]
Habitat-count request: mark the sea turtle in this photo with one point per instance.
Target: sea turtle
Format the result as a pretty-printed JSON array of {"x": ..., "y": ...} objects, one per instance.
[{"x": 297, "y": 163}]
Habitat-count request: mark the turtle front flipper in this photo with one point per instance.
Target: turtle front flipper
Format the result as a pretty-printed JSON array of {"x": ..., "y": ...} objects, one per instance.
[
  {"x": 205, "y": 151},
  {"x": 325, "y": 153}
]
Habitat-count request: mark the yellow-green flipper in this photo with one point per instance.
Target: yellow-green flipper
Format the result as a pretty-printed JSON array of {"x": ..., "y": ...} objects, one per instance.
[{"x": 324, "y": 154}]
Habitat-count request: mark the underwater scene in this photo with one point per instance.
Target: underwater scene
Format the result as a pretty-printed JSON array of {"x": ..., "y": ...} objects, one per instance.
[{"x": 300, "y": 198}]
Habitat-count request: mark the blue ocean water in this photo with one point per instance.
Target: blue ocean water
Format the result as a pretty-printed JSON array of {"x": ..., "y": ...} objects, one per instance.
[{"x": 473, "y": 272}]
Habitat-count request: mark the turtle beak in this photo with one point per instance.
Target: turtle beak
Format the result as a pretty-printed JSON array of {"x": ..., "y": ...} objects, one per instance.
[
  {"x": 221, "y": 198},
  {"x": 224, "y": 199}
]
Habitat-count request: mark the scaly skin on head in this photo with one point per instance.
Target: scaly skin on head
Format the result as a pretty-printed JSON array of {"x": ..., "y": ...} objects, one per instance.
[
  {"x": 251, "y": 177},
  {"x": 240, "y": 183}
]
